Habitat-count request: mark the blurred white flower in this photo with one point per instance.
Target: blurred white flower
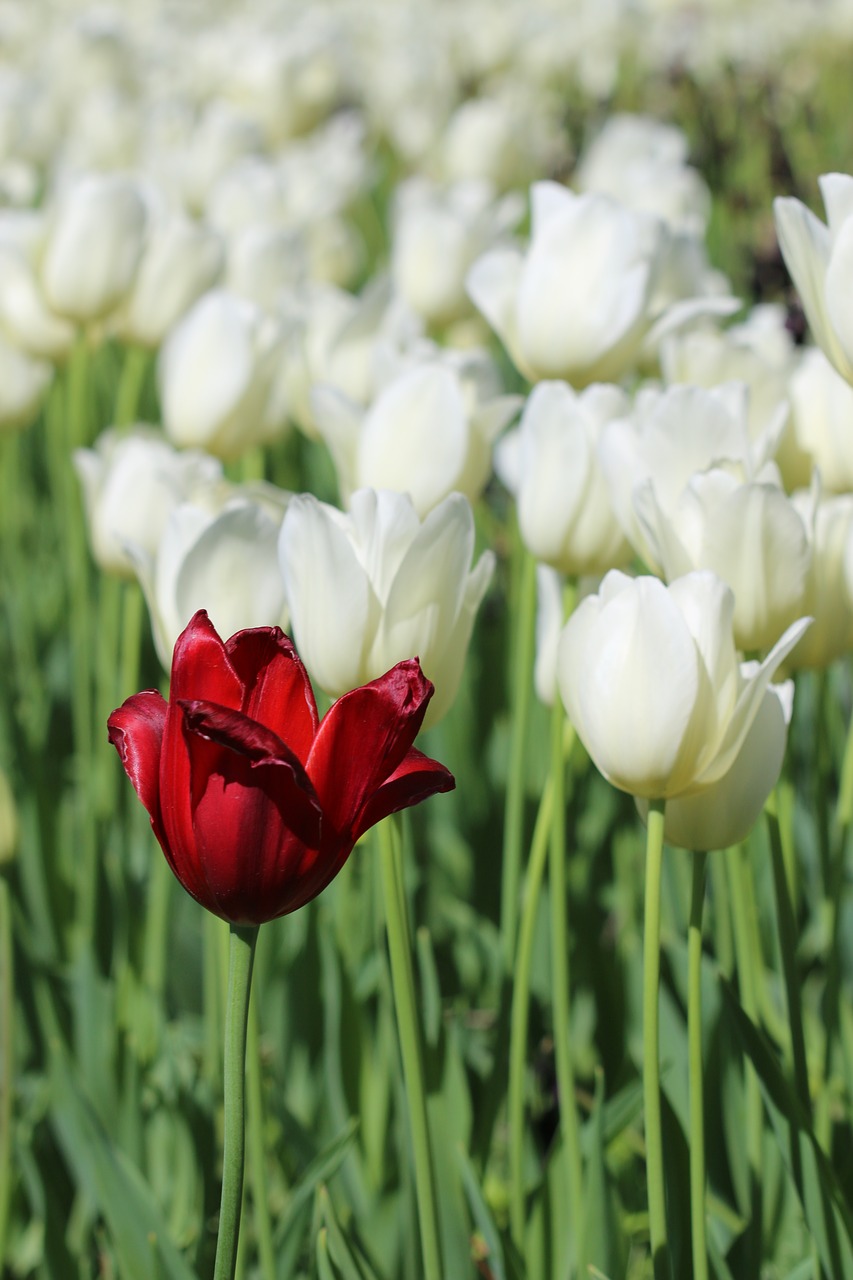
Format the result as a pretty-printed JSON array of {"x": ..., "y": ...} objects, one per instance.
[
  {"x": 437, "y": 234},
  {"x": 222, "y": 559},
  {"x": 341, "y": 340},
  {"x": 25, "y": 317},
  {"x": 651, "y": 681},
  {"x": 429, "y": 432},
  {"x": 507, "y": 139},
  {"x": 131, "y": 482},
  {"x": 564, "y": 509},
  {"x": 693, "y": 492},
  {"x": 759, "y": 352},
  {"x": 23, "y": 383},
  {"x": 583, "y": 300},
  {"x": 828, "y": 595},
  {"x": 822, "y": 423},
  {"x": 216, "y": 373},
  {"x": 370, "y": 587},
  {"x": 180, "y": 261},
  {"x": 820, "y": 260},
  {"x": 94, "y": 240},
  {"x": 642, "y": 163}
]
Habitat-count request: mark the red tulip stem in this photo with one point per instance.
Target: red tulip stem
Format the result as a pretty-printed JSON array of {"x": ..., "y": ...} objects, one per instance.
[
  {"x": 408, "y": 1028},
  {"x": 241, "y": 960}
]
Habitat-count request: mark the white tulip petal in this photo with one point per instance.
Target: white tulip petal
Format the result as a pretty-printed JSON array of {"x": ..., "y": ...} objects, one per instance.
[
  {"x": 724, "y": 813},
  {"x": 629, "y": 677},
  {"x": 806, "y": 245},
  {"x": 327, "y": 593}
]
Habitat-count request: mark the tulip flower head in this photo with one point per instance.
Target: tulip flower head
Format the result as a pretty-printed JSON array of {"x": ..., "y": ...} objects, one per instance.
[
  {"x": 256, "y": 804},
  {"x": 651, "y": 681}
]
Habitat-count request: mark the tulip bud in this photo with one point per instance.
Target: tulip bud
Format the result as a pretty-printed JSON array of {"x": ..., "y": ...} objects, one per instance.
[
  {"x": 429, "y": 432},
  {"x": 93, "y": 246},
  {"x": 216, "y": 373},
  {"x": 131, "y": 482}
]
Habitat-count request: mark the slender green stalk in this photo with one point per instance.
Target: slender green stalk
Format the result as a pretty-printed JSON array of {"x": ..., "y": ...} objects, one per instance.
[
  {"x": 651, "y": 1045},
  {"x": 697, "y": 1096},
  {"x": 133, "y": 608},
  {"x": 257, "y": 1162},
  {"x": 131, "y": 381},
  {"x": 519, "y": 1011},
  {"x": 403, "y": 986},
  {"x": 241, "y": 959},
  {"x": 6, "y": 1060},
  {"x": 521, "y": 691},
  {"x": 747, "y": 964},
  {"x": 155, "y": 946},
  {"x": 561, "y": 744},
  {"x": 788, "y": 947},
  {"x": 844, "y": 810}
]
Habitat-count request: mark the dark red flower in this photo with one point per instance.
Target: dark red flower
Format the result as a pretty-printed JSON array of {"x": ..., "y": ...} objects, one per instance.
[{"x": 256, "y": 804}]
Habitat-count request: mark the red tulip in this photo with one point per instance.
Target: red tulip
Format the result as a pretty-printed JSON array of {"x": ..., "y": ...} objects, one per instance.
[{"x": 257, "y": 804}]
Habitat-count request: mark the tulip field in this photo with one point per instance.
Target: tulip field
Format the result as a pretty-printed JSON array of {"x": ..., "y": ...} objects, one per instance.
[{"x": 426, "y": 711}]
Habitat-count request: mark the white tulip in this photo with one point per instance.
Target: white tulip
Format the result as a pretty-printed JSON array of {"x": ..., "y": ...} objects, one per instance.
[
  {"x": 94, "y": 241},
  {"x": 437, "y": 234},
  {"x": 23, "y": 384},
  {"x": 224, "y": 561},
  {"x": 759, "y": 352},
  {"x": 564, "y": 510},
  {"x": 577, "y": 305},
  {"x": 181, "y": 260},
  {"x": 723, "y": 813},
  {"x": 24, "y": 314},
  {"x": 217, "y": 374},
  {"x": 370, "y": 587},
  {"x": 822, "y": 421},
  {"x": 429, "y": 432},
  {"x": 829, "y": 584},
  {"x": 643, "y": 163},
  {"x": 819, "y": 258},
  {"x": 651, "y": 681},
  {"x": 131, "y": 483}
]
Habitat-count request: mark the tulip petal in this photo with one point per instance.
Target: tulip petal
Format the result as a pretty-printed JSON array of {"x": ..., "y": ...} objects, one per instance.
[
  {"x": 414, "y": 780},
  {"x": 277, "y": 691},
  {"x": 136, "y": 732},
  {"x": 327, "y": 592},
  {"x": 233, "y": 734},
  {"x": 806, "y": 246},
  {"x": 201, "y": 667},
  {"x": 363, "y": 739}
]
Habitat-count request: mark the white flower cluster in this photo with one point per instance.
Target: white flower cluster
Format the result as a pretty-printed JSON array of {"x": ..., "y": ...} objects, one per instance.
[{"x": 347, "y": 219}]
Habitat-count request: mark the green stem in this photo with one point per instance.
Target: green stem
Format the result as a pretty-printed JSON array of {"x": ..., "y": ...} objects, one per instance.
[
  {"x": 241, "y": 957},
  {"x": 520, "y": 713},
  {"x": 694, "y": 1035},
  {"x": 6, "y": 1060},
  {"x": 747, "y": 965},
  {"x": 131, "y": 381},
  {"x": 403, "y": 986},
  {"x": 257, "y": 1162},
  {"x": 519, "y": 1012},
  {"x": 788, "y": 947},
  {"x": 133, "y": 608},
  {"x": 651, "y": 1045},
  {"x": 561, "y": 744}
]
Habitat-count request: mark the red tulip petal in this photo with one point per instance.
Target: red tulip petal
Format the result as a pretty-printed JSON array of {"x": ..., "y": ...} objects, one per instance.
[
  {"x": 276, "y": 688},
  {"x": 416, "y": 778},
  {"x": 234, "y": 738},
  {"x": 364, "y": 738},
  {"x": 201, "y": 667},
  {"x": 136, "y": 731}
]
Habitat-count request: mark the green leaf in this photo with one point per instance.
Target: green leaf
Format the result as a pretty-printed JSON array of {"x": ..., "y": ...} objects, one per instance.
[
  {"x": 136, "y": 1227},
  {"x": 605, "y": 1247},
  {"x": 826, "y": 1211}
]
